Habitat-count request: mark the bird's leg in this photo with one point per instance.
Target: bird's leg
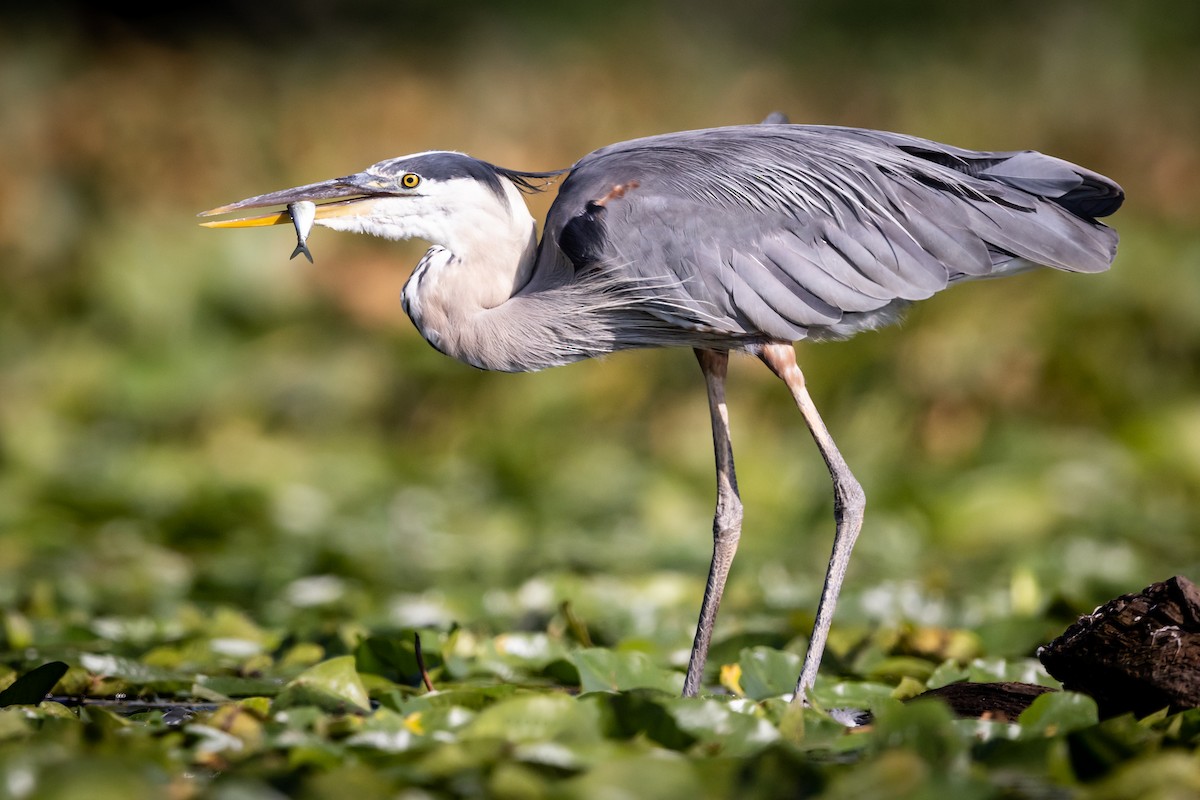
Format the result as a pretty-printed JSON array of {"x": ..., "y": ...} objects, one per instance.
[
  {"x": 849, "y": 502},
  {"x": 727, "y": 521}
]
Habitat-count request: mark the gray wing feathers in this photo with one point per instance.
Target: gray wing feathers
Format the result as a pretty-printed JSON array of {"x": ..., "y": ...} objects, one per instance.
[
  {"x": 1077, "y": 189},
  {"x": 772, "y": 230},
  {"x": 752, "y": 292},
  {"x": 894, "y": 267},
  {"x": 791, "y": 300},
  {"x": 1035, "y": 173}
]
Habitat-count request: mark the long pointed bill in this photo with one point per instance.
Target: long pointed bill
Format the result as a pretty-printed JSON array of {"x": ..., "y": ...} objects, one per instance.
[{"x": 334, "y": 198}]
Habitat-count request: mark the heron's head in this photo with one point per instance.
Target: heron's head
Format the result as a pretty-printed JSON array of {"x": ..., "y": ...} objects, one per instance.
[{"x": 441, "y": 197}]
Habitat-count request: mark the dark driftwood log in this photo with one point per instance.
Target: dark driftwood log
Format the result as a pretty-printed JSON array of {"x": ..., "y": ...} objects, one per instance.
[
  {"x": 998, "y": 702},
  {"x": 1138, "y": 653}
]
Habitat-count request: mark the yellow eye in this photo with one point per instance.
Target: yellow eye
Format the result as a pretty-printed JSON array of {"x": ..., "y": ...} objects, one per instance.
[{"x": 410, "y": 180}]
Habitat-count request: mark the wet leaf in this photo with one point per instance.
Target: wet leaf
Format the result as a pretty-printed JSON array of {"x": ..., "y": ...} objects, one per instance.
[
  {"x": 767, "y": 672},
  {"x": 1169, "y": 775},
  {"x": 925, "y": 727},
  {"x": 111, "y": 666},
  {"x": 851, "y": 694},
  {"x": 946, "y": 673},
  {"x": 896, "y": 668},
  {"x": 1057, "y": 713},
  {"x": 1021, "y": 670},
  {"x": 641, "y": 775},
  {"x": 333, "y": 685},
  {"x": 13, "y": 724},
  {"x": 908, "y": 688},
  {"x": 536, "y": 717},
  {"x": 611, "y": 670},
  {"x": 1104, "y": 748},
  {"x": 474, "y": 698},
  {"x": 395, "y": 656},
  {"x": 733, "y": 729},
  {"x": 641, "y": 712},
  {"x": 235, "y": 721},
  {"x": 237, "y": 686}
]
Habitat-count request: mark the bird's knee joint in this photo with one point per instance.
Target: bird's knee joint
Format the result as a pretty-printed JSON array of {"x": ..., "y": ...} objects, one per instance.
[
  {"x": 727, "y": 522},
  {"x": 850, "y": 497},
  {"x": 726, "y": 535},
  {"x": 781, "y": 359}
]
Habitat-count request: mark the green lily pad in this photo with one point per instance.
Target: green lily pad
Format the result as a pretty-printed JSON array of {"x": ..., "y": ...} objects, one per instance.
[
  {"x": 110, "y": 666},
  {"x": 603, "y": 670},
  {"x": 767, "y": 672},
  {"x": 474, "y": 698},
  {"x": 925, "y": 726},
  {"x": 947, "y": 672},
  {"x": 535, "y": 718},
  {"x": 237, "y": 686},
  {"x": 726, "y": 728},
  {"x": 395, "y": 656},
  {"x": 1055, "y": 713},
  {"x": 333, "y": 685},
  {"x": 641, "y": 712}
]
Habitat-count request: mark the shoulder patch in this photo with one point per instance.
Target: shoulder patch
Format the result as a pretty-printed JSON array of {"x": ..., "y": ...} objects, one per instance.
[{"x": 584, "y": 236}]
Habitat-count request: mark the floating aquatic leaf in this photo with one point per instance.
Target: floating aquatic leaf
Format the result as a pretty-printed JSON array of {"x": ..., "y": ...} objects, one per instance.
[
  {"x": 1020, "y": 670},
  {"x": 233, "y": 720},
  {"x": 892, "y": 669},
  {"x": 1058, "y": 713},
  {"x": 111, "y": 666},
  {"x": 908, "y": 688},
  {"x": 1109, "y": 746},
  {"x": 724, "y": 728},
  {"x": 237, "y": 686},
  {"x": 333, "y": 685},
  {"x": 13, "y": 724},
  {"x": 767, "y": 672},
  {"x": 1167, "y": 775},
  {"x": 395, "y": 656},
  {"x": 947, "y": 672},
  {"x": 528, "y": 648},
  {"x": 926, "y": 727},
  {"x": 535, "y": 718},
  {"x": 601, "y": 669},
  {"x": 850, "y": 694},
  {"x": 641, "y": 712},
  {"x": 636, "y": 775},
  {"x": 473, "y": 698}
]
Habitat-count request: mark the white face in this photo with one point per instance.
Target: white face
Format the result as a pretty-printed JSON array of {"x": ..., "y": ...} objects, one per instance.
[
  {"x": 457, "y": 214},
  {"x": 457, "y": 206}
]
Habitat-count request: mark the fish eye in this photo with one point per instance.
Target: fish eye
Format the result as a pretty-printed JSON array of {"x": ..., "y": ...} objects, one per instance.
[{"x": 410, "y": 180}]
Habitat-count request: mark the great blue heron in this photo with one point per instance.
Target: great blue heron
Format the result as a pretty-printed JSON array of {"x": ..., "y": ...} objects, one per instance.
[{"x": 745, "y": 238}]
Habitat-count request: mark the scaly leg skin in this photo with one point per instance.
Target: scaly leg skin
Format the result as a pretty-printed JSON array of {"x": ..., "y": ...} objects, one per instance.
[
  {"x": 849, "y": 502},
  {"x": 727, "y": 521}
]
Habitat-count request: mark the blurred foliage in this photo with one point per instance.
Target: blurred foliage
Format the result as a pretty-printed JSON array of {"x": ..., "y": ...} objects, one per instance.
[
  {"x": 268, "y": 727},
  {"x": 220, "y": 469}
]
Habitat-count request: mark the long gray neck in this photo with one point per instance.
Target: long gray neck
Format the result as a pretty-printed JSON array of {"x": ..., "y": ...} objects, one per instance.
[
  {"x": 546, "y": 326},
  {"x": 485, "y": 297}
]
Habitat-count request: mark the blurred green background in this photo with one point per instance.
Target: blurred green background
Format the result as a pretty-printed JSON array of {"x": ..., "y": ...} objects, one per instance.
[{"x": 189, "y": 419}]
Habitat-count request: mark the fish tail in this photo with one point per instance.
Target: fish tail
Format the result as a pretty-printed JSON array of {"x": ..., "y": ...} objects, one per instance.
[{"x": 301, "y": 247}]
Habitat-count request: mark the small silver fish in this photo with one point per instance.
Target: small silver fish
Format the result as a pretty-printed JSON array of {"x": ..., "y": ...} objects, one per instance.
[{"x": 303, "y": 213}]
